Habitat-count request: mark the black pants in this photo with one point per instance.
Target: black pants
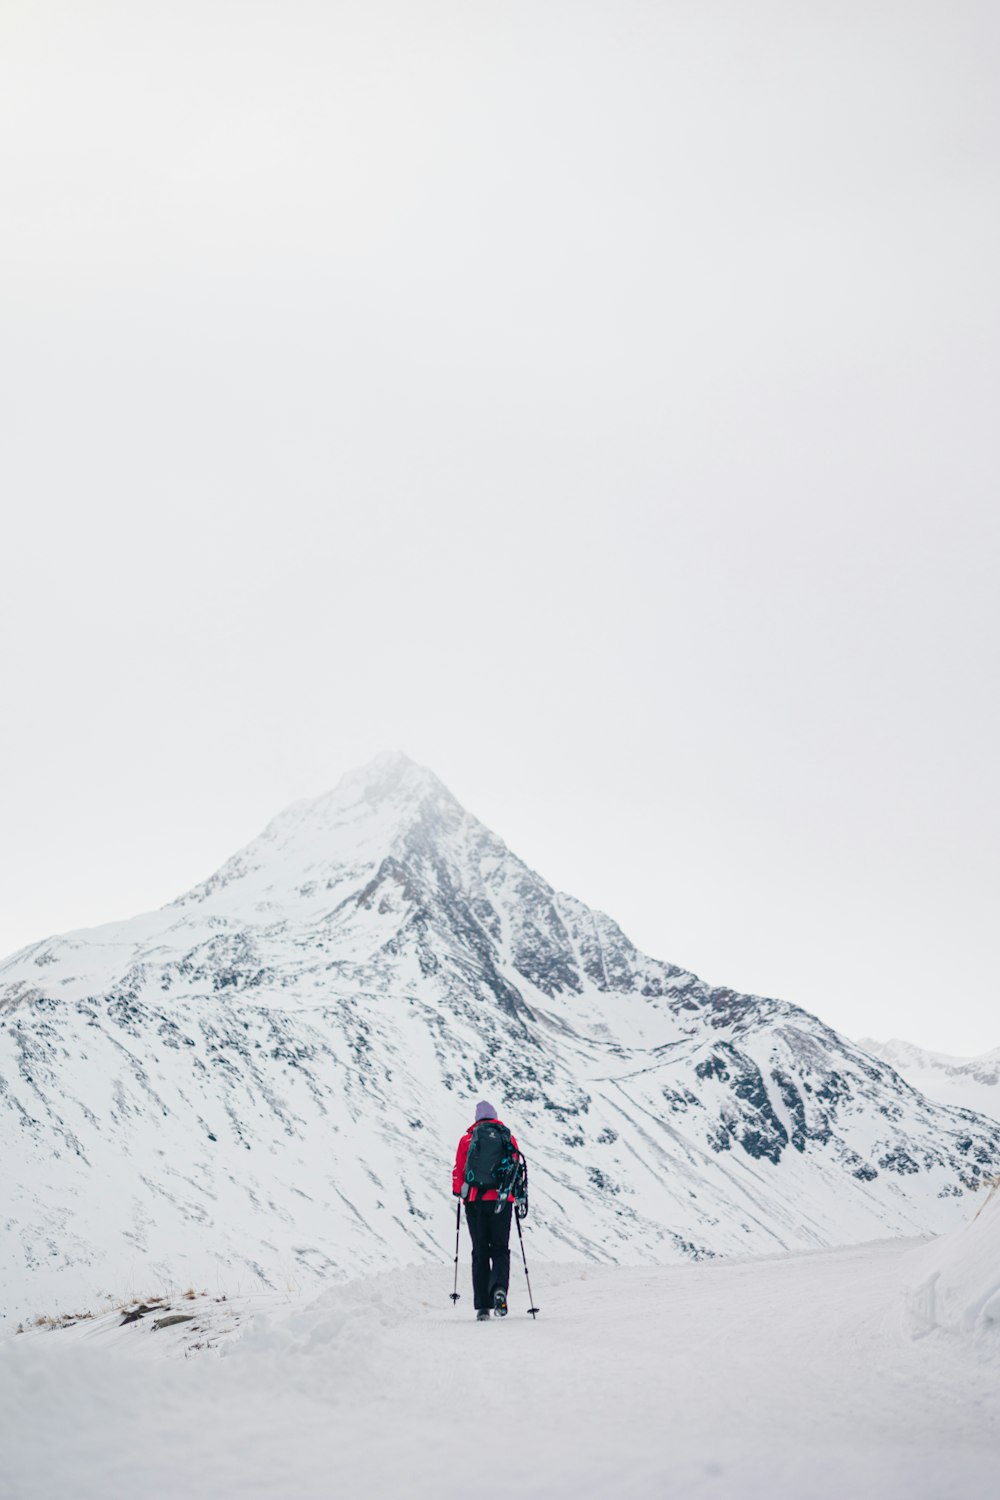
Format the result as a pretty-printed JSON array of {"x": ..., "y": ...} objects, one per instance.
[{"x": 490, "y": 1234}]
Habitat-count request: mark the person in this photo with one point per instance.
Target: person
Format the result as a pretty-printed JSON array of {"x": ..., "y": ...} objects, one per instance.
[{"x": 489, "y": 1228}]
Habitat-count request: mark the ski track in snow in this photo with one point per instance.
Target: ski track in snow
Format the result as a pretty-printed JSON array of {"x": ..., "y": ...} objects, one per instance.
[{"x": 792, "y": 1378}]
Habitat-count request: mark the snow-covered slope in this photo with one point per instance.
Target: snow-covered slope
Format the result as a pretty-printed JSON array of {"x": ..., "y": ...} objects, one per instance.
[
  {"x": 261, "y": 1084},
  {"x": 965, "y": 1082},
  {"x": 788, "y": 1378}
]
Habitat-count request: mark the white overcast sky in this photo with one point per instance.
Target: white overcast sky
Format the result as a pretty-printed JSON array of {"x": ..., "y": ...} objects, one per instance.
[{"x": 597, "y": 401}]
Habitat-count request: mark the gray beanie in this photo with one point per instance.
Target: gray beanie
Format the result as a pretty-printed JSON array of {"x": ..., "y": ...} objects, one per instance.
[{"x": 485, "y": 1111}]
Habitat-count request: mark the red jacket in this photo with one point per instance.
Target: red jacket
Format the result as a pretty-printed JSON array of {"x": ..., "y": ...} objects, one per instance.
[{"x": 458, "y": 1174}]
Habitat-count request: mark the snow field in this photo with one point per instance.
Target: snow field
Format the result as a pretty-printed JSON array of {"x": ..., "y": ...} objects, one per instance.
[{"x": 795, "y": 1378}]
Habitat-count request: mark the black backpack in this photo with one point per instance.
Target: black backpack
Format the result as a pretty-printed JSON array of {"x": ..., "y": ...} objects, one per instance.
[{"x": 491, "y": 1159}]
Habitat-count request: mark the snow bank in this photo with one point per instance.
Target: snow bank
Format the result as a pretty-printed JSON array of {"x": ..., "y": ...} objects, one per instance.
[{"x": 956, "y": 1280}]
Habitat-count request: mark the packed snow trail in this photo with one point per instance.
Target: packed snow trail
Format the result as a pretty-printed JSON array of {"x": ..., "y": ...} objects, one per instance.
[{"x": 797, "y": 1378}]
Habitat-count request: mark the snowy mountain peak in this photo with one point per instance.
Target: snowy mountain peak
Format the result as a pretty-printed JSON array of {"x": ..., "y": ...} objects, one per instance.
[
  {"x": 390, "y": 792},
  {"x": 270, "y": 1073},
  {"x": 391, "y": 778},
  {"x": 374, "y": 811}
]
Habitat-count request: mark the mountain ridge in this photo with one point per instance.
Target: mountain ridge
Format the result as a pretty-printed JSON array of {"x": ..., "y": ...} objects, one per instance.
[{"x": 961, "y": 1082}]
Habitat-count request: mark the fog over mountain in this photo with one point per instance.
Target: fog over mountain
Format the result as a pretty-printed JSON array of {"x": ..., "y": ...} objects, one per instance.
[{"x": 261, "y": 1084}]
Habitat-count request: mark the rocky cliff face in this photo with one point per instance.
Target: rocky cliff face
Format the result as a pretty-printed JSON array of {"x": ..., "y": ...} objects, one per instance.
[{"x": 262, "y": 1083}]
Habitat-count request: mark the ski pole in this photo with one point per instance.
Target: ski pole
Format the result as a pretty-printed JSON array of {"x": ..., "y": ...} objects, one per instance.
[
  {"x": 458, "y": 1230},
  {"x": 532, "y": 1309}
]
